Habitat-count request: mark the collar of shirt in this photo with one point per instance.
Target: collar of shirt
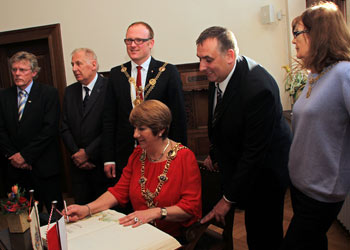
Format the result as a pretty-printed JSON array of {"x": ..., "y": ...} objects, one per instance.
[
  {"x": 222, "y": 86},
  {"x": 144, "y": 71},
  {"x": 224, "y": 83},
  {"x": 90, "y": 86},
  {"x": 27, "y": 89}
]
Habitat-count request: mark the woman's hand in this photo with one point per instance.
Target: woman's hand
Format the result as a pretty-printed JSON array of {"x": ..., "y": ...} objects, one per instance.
[
  {"x": 76, "y": 212},
  {"x": 140, "y": 217}
]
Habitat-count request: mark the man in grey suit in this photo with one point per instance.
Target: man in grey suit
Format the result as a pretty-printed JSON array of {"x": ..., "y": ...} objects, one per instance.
[
  {"x": 82, "y": 126},
  {"x": 29, "y": 116}
]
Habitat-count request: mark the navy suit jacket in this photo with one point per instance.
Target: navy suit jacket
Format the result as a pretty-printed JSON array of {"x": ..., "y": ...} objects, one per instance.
[
  {"x": 36, "y": 135},
  {"x": 83, "y": 128},
  {"x": 249, "y": 133},
  {"x": 118, "y": 142}
]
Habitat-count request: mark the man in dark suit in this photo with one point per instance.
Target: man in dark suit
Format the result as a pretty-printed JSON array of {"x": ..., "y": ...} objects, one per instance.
[
  {"x": 29, "y": 116},
  {"x": 249, "y": 138},
  {"x": 81, "y": 127},
  {"x": 129, "y": 84}
]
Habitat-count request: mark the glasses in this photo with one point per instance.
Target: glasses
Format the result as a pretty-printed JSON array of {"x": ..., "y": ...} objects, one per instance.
[
  {"x": 21, "y": 70},
  {"x": 297, "y": 33},
  {"x": 137, "y": 41}
]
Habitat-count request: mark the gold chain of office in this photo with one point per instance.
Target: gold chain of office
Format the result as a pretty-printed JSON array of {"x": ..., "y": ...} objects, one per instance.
[
  {"x": 162, "y": 178},
  {"x": 149, "y": 86},
  {"x": 313, "y": 80}
]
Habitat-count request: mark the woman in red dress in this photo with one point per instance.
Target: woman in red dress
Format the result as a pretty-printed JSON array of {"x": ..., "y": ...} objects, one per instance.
[{"x": 162, "y": 178}]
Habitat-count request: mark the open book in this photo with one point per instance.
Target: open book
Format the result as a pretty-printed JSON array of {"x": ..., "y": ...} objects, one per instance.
[{"x": 103, "y": 231}]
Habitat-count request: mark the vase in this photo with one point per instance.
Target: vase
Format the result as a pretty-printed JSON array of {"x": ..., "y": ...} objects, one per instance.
[{"x": 17, "y": 223}]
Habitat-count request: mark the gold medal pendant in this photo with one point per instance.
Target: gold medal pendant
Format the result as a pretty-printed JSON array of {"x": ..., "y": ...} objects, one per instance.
[
  {"x": 137, "y": 101},
  {"x": 132, "y": 80},
  {"x": 152, "y": 81}
]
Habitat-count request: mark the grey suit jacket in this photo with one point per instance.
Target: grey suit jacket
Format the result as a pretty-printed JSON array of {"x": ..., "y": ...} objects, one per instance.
[{"x": 83, "y": 128}]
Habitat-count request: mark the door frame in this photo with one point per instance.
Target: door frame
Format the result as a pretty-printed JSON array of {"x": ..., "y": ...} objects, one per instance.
[{"x": 53, "y": 35}]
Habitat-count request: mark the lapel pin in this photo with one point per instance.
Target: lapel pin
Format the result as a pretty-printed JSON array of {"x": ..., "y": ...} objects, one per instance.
[{"x": 29, "y": 101}]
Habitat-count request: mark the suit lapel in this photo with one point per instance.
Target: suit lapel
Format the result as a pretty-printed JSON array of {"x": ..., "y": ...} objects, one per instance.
[
  {"x": 94, "y": 96},
  {"x": 14, "y": 105},
  {"x": 77, "y": 101},
  {"x": 153, "y": 70},
  {"x": 230, "y": 92}
]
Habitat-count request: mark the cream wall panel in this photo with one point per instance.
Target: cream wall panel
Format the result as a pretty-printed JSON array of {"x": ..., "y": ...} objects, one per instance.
[{"x": 101, "y": 25}]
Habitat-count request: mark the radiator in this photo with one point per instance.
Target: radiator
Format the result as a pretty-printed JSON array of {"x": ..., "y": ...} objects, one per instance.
[{"x": 344, "y": 215}]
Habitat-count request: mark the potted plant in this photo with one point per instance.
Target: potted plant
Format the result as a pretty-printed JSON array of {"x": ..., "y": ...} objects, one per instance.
[
  {"x": 295, "y": 79},
  {"x": 16, "y": 210}
]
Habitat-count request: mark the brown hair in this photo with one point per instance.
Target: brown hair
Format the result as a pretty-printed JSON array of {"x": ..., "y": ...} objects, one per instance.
[
  {"x": 329, "y": 35},
  {"x": 226, "y": 39},
  {"x": 148, "y": 27},
  {"x": 153, "y": 114},
  {"x": 26, "y": 56}
]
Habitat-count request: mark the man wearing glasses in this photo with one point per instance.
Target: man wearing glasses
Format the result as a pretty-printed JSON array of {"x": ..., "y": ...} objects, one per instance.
[
  {"x": 29, "y": 116},
  {"x": 140, "y": 79}
]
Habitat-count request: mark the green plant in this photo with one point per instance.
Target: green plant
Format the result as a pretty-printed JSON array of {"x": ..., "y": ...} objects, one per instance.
[
  {"x": 16, "y": 202},
  {"x": 295, "y": 79}
]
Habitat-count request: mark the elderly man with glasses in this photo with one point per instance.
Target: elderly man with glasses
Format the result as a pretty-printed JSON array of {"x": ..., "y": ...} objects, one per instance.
[
  {"x": 29, "y": 117},
  {"x": 142, "y": 78}
]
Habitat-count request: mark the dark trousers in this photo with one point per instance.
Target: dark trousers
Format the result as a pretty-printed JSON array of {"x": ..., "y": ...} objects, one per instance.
[
  {"x": 88, "y": 185},
  {"x": 264, "y": 212},
  {"x": 310, "y": 223},
  {"x": 46, "y": 190}
]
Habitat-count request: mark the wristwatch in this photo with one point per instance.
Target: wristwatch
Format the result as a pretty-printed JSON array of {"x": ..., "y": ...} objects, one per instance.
[{"x": 163, "y": 213}]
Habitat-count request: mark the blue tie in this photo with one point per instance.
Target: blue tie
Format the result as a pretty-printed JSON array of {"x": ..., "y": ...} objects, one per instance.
[{"x": 23, "y": 95}]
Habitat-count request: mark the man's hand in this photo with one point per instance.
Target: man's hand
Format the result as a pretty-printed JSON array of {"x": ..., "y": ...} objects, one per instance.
[
  {"x": 87, "y": 166},
  {"x": 219, "y": 212},
  {"x": 80, "y": 157},
  {"x": 110, "y": 170},
  {"x": 17, "y": 160},
  {"x": 209, "y": 164}
]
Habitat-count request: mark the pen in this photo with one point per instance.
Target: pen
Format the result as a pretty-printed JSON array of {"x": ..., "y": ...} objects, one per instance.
[{"x": 65, "y": 209}]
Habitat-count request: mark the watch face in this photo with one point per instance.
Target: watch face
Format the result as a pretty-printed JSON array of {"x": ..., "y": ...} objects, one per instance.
[{"x": 164, "y": 212}]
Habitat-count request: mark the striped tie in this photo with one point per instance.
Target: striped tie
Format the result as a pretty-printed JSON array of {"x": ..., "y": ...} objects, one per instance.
[
  {"x": 22, "y": 102},
  {"x": 218, "y": 95},
  {"x": 218, "y": 102}
]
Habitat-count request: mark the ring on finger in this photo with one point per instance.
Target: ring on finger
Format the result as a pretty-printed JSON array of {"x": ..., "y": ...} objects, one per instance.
[{"x": 136, "y": 219}]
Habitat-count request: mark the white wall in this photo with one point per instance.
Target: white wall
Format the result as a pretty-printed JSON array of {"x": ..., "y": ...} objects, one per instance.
[{"x": 101, "y": 25}]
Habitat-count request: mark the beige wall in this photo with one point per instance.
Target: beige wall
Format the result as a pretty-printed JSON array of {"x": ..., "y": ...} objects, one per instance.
[{"x": 101, "y": 25}]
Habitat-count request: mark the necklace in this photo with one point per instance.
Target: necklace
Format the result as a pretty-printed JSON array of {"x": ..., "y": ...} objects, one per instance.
[
  {"x": 148, "y": 195},
  {"x": 313, "y": 80},
  {"x": 160, "y": 157},
  {"x": 149, "y": 86}
]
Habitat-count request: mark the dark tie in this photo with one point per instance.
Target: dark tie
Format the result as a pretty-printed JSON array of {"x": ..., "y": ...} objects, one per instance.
[
  {"x": 218, "y": 103},
  {"x": 138, "y": 83},
  {"x": 218, "y": 95},
  {"x": 86, "y": 98},
  {"x": 22, "y": 102}
]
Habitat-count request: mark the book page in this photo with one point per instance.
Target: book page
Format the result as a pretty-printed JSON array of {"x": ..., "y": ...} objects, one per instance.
[{"x": 103, "y": 231}]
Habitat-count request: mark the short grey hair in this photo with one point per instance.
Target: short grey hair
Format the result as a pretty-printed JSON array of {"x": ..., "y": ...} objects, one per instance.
[{"x": 89, "y": 53}]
